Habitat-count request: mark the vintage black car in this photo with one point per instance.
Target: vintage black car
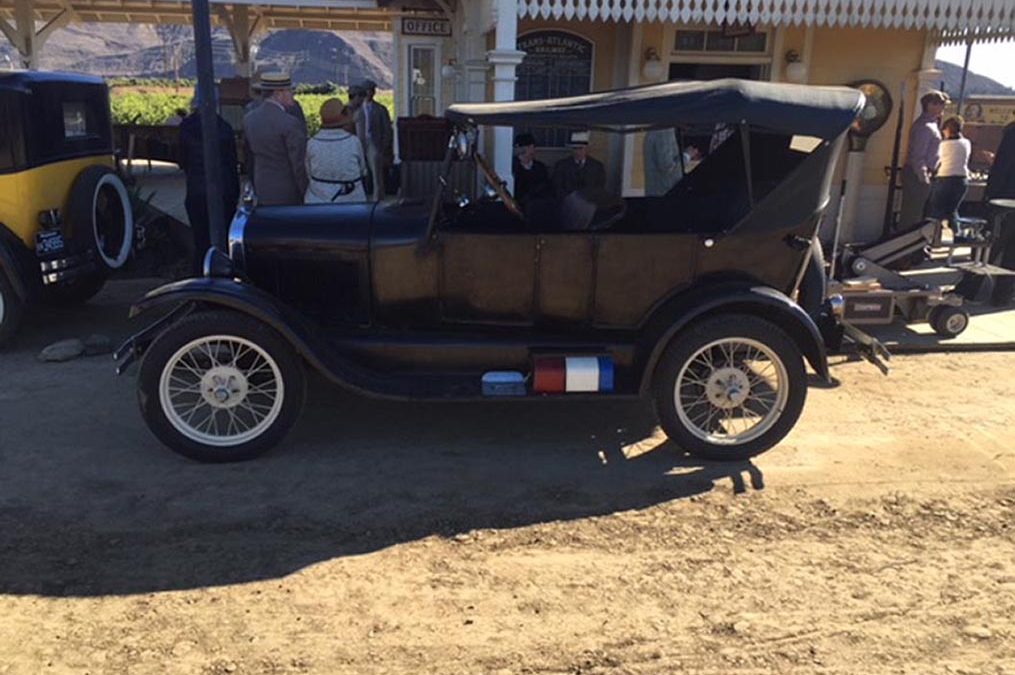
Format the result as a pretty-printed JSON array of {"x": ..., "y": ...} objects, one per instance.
[{"x": 685, "y": 298}]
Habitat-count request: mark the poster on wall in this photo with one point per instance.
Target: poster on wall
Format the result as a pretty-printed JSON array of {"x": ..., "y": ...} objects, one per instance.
[{"x": 556, "y": 64}]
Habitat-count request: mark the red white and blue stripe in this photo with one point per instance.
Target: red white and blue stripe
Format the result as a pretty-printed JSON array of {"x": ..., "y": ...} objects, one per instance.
[{"x": 568, "y": 374}]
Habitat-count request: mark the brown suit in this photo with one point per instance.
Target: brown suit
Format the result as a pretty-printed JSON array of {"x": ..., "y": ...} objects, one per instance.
[{"x": 278, "y": 148}]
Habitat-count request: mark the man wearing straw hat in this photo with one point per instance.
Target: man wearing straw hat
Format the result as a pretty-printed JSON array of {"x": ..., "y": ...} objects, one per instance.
[{"x": 277, "y": 145}]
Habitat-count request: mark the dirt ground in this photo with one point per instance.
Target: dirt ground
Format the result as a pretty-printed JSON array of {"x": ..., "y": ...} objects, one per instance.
[{"x": 507, "y": 538}]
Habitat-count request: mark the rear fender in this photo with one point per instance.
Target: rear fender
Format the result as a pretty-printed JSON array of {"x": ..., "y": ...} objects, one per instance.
[{"x": 761, "y": 301}]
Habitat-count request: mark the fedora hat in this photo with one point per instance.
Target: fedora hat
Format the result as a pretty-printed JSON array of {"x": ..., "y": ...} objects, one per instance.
[{"x": 334, "y": 115}]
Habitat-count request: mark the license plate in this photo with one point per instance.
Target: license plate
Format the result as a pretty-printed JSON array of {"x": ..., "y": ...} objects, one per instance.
[{"x": 49, "y": 242}]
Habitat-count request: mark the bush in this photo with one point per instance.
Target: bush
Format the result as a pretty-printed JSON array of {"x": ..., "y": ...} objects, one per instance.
[{"x": 153, "y": 108}]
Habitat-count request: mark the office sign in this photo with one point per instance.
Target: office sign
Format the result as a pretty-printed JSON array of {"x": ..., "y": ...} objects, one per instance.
[{"x": 426, "y": 26}]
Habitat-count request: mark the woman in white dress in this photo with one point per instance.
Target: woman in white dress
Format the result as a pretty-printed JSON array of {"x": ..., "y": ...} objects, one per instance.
[{"x": 335, "y": 163}]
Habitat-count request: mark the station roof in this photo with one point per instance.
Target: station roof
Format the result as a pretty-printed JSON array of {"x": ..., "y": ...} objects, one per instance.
[{"x": 358, "y": 15}]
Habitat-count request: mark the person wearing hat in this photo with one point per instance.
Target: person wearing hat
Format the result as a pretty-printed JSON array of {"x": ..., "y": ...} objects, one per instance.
[
  {"x": 373, "y": 126},
  {"x": 258, "y": 97},
  {"x": 532, "y": 178},
  {"x": 579, "y": 171},
  {"x": 335, "y": 163},
  {"x": 921, "y": 159},
  {"x": 277, "y": 145},
  {"x": 192, "y": 163}
]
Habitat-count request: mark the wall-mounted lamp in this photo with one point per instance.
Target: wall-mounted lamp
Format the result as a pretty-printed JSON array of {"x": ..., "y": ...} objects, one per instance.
[
  {"x": 796, "y": 69},
  {"x": 653, "y": 68},
  {"x": 449, "y": 69}
]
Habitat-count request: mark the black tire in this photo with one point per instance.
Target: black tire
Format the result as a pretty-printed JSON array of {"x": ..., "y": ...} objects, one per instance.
[
  {"x": 220, "y": 323},
  {"x": 948, "y": 321},
  {"x": 74, "y": 292},
  {"x": 814, "y": 285},
  {"x": 99, "y": 216},
  {"x": 683, "y": 349},
  {"x": 12, "y": 309}
]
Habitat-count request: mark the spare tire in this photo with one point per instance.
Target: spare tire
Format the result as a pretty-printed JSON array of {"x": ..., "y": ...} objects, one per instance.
[{"x": 99, "y": 216}]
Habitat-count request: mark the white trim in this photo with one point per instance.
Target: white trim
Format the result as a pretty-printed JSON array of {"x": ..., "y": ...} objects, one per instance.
[{"x": 983, "y": 18}]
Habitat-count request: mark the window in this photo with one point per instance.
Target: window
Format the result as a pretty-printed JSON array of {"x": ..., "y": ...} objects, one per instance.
[
  {"x": 75, "y": 120},
  {"x": 556, "y": 64},
  {"x": 422, "y": 80},
  {"x": 11, "y": 155},
  {"x": 715, "y": 41}
]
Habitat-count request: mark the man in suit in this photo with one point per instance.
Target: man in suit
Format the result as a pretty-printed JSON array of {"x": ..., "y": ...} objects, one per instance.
[
  {"x": 277, "y": 145},
  {"x": 258, "y": 96},
  {"x": 580, "y": 171},
  {"x": 373, "y": 126}
]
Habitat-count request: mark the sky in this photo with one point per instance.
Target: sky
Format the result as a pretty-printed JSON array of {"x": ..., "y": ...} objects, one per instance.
[{"x": 996, "y": 60}]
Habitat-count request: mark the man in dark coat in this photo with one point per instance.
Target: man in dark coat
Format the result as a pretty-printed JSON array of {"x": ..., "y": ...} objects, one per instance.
[
  {"x": 278, "y": 145},
  {"x": 192, "y": 163},
  {"x": 373, "y": 126},
  {"x": 532, "y": 178},
  {"x": 1001, "y": 185},
  {"x": 580, "y": 171}
]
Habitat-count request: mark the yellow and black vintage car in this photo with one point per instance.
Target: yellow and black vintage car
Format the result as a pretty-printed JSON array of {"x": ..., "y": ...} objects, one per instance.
[{"x": 65, "y": 214}]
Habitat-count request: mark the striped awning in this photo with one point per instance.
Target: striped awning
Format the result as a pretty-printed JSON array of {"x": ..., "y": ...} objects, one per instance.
[{"x": 955, "y": 20}]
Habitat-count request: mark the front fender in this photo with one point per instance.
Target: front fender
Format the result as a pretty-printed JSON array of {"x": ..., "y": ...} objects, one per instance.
[
  {"x": 762, "y": 301},
  {"x": 233, "y": 295}
]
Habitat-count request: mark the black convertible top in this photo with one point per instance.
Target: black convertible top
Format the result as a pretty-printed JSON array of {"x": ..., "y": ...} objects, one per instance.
[{"x": 825, "y": 112}]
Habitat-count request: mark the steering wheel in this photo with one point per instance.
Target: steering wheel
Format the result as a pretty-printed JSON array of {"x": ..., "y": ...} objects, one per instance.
[{"x": 498, "y": 186}]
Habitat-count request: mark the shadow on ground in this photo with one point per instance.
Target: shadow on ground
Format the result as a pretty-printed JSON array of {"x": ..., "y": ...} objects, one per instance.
[{"x": 91, "y": 504}]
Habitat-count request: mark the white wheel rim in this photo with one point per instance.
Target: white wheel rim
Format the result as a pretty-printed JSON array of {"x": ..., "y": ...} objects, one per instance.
[
  {"x": 221, "y": 390},
  {"x": 3, "y": 307},
  {"x": 731, "y": 391},
  {"x": 111, "y": 261}
]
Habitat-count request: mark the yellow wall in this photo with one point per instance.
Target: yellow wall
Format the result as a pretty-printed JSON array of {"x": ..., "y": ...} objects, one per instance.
[{"x": 843, "y": 55}]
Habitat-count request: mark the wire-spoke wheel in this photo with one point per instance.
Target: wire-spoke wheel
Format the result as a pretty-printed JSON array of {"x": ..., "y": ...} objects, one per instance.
[
  {"x": 730, "y": 387},
  {"x": 219, "y": 386}
]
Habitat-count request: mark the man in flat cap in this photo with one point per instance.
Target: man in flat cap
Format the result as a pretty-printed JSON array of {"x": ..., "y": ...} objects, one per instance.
[
  {"x": 921, "y": 159},
  {"x": 373, "y": 126},
  {"x": 580, "y": 171},
  {"x": 277, "y": 145}
]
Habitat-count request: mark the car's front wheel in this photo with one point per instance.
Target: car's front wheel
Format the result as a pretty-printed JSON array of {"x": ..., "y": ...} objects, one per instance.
[
  {"x": 730, "y": 387},
  {"x": 219, "y": 386}
]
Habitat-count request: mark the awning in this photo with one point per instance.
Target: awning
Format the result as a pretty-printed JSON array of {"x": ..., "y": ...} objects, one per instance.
[
  {"x": 825, "y": 112},
  {"x": 981, "y": 19}
]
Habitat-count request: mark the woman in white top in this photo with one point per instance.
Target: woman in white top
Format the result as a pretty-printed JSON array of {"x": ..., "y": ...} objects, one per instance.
[
  {"x": 952, "y": 179},
  {"x": 335, "y": 163}
]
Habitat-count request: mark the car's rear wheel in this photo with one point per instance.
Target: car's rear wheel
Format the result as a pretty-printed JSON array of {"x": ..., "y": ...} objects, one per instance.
[
  {"x": 730, "y": 387},
  {"x": 220, "y": 387},
  {"x": 11, "y": 310}
]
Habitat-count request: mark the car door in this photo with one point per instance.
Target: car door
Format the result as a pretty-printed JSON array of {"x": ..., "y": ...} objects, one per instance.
[
  {"x": 487, "y": 276},
  {"x": 565, "y": 279},
  {"x": 637, "y": 271}
]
